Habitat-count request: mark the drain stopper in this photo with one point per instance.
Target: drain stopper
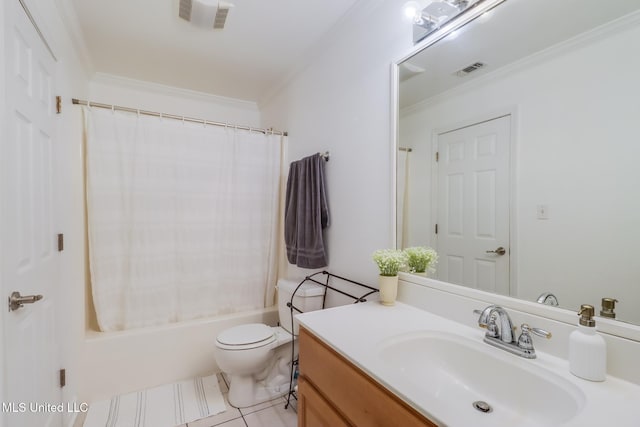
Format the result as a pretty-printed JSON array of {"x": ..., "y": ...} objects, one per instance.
[{"x": 482, "y": 406}]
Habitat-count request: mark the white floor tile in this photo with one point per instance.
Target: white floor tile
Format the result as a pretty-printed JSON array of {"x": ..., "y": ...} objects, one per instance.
[
  {"x": 238, "y": 422},
  {"x": 293, "y": 403},
  {"x": 274, "y": 416},
  {"x": 279, "y": 401}
]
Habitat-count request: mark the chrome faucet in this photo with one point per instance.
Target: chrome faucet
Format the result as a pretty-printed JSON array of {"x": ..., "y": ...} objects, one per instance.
[
  {"x": 500, "y": 332},
  {"x": 497, "y": 322},
  {"x": 548, "y": 298}
]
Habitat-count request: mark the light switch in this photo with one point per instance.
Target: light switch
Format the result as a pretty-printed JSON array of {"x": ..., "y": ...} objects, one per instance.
[{"x": 543, "y": 211}]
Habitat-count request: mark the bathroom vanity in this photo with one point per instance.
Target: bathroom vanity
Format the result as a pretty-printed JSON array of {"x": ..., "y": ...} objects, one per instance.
[
  {"x": 334, "y": 392},
  {"x": 367, "y": 364}
]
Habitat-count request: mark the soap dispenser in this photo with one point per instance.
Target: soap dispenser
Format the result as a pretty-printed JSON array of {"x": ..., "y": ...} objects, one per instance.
[
  {"x": 587, "y": 349},
  {"x": 608, "y": 308}
]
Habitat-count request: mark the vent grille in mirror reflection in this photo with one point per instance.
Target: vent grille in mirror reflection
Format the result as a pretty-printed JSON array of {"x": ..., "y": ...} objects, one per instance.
[{"x": 469, "y": 69}]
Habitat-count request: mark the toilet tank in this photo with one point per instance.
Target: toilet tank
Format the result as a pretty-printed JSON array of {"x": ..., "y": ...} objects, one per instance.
[{"x": 308, "y": 298}]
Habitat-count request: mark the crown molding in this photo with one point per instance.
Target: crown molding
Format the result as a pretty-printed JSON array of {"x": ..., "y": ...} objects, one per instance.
[{"x": 125, "y": 82}]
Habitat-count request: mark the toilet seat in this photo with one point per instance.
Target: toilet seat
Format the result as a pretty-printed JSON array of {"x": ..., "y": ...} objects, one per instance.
[{"x": 245, "y": 337}]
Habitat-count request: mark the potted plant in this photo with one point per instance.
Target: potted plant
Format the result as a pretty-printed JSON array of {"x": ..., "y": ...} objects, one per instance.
[
  {"x": 420, "y": 259},
  {"x": 389, "y": 262}
]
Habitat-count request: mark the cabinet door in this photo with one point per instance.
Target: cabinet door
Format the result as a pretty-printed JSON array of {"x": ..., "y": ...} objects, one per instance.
[
  {"x": 314, "y": 411},
  {"x": 355, "y": 396}
]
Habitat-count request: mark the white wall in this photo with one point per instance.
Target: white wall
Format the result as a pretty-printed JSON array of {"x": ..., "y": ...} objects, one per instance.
[
  {"x": 574, "y": 153},
  {"x": 109, "y": 89},
  {"x": 341, "y": 102}
]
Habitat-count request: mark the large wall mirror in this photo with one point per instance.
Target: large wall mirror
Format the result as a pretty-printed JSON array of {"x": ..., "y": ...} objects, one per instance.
[{"x": 519, "y": 153}]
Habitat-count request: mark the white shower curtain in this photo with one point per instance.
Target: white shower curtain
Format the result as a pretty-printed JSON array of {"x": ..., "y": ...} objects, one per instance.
[
  {"x": 402, "y": 198},
  {"x": 183, "y": 218}
]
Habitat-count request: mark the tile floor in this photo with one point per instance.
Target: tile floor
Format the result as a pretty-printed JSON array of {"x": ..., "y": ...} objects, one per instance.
[{"x": 268, "y": 414}]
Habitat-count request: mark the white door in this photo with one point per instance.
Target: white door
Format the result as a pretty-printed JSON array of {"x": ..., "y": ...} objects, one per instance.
[
  {"x": 29, "y": 251},
  {"x": 473, "y": 205}
]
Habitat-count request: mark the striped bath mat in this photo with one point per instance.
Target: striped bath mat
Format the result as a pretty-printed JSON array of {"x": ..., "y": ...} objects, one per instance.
[{"x": 164, "y": 406}]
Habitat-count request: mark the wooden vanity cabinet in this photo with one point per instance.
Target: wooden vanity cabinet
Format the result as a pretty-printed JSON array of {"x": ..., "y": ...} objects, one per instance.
[{"x": 333, "y": 392}]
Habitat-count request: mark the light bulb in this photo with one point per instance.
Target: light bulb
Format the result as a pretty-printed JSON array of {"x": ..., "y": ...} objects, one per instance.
[{"x": 411, "y": 10}]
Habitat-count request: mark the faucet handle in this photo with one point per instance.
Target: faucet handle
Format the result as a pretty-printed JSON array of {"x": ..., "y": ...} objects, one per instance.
[
  {"x": 484, "y": 315},
  {"x": 525, "y": 342},
  {"x": 539, "y": 332},
  {"x": 481, "y": 323}
]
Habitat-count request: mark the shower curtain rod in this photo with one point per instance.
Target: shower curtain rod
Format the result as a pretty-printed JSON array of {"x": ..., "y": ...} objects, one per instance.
[{"x": 173, "y": 116}]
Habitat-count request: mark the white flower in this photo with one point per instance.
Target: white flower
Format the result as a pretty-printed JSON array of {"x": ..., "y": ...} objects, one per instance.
[
  {"x": 390, "y": 261},
  {"x": 421, "y": 258}
]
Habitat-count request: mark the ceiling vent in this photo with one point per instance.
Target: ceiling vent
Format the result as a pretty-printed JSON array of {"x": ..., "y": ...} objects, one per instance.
[
  {"x": 469, "y": 69},
  {"x": 205, "y": 13}
]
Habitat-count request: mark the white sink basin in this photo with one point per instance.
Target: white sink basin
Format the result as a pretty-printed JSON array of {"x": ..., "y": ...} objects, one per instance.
[{"x": 453, "y": 372}]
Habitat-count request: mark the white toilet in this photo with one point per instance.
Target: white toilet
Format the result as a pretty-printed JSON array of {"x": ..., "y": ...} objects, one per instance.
[{"x": 256, "y": 357}]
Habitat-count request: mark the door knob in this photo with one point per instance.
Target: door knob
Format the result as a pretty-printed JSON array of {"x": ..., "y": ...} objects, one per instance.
[
  {"x": 499, "y": 251},
  {"x": 16, "y": 300}
]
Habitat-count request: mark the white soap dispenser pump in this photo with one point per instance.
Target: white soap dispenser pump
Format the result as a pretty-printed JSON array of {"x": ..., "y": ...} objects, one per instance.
[{"x": 587, "y": 349}]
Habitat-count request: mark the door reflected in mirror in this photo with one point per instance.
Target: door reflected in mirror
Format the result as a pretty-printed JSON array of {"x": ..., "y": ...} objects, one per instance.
[{"x": 522, "y": 133}]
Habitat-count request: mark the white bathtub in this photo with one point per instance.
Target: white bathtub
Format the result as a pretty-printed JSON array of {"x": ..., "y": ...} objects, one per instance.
[{"x": 120, "y": 362}]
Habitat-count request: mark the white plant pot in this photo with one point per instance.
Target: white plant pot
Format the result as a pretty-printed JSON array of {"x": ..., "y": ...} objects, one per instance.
[{"x": 388, "y": 289}]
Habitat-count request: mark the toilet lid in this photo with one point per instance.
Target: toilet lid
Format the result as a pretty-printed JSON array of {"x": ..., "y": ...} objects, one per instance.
[{"x": 252, "y": 333}]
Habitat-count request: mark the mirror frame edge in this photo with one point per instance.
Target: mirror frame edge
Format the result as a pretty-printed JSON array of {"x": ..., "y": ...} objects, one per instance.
[
  {"x": 609, "y": 326},
  {"x": 393, "y": 135}
]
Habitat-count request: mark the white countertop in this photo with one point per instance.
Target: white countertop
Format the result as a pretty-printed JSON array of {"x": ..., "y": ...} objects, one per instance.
[{"x": 356, "y": 332}]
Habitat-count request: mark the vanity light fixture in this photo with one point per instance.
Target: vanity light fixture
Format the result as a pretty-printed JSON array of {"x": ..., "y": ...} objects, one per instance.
[
  {"x": 205, "y": 13},
  {"x": 430, "y": 15}
]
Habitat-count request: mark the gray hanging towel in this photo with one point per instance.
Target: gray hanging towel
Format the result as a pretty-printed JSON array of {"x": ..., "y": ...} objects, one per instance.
[{"x": 306, "y": 213}]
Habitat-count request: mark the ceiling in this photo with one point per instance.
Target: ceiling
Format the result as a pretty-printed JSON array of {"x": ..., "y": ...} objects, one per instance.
[
  {"x": 512, "y": 31},
  {"x": 262, "y": 43}
]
